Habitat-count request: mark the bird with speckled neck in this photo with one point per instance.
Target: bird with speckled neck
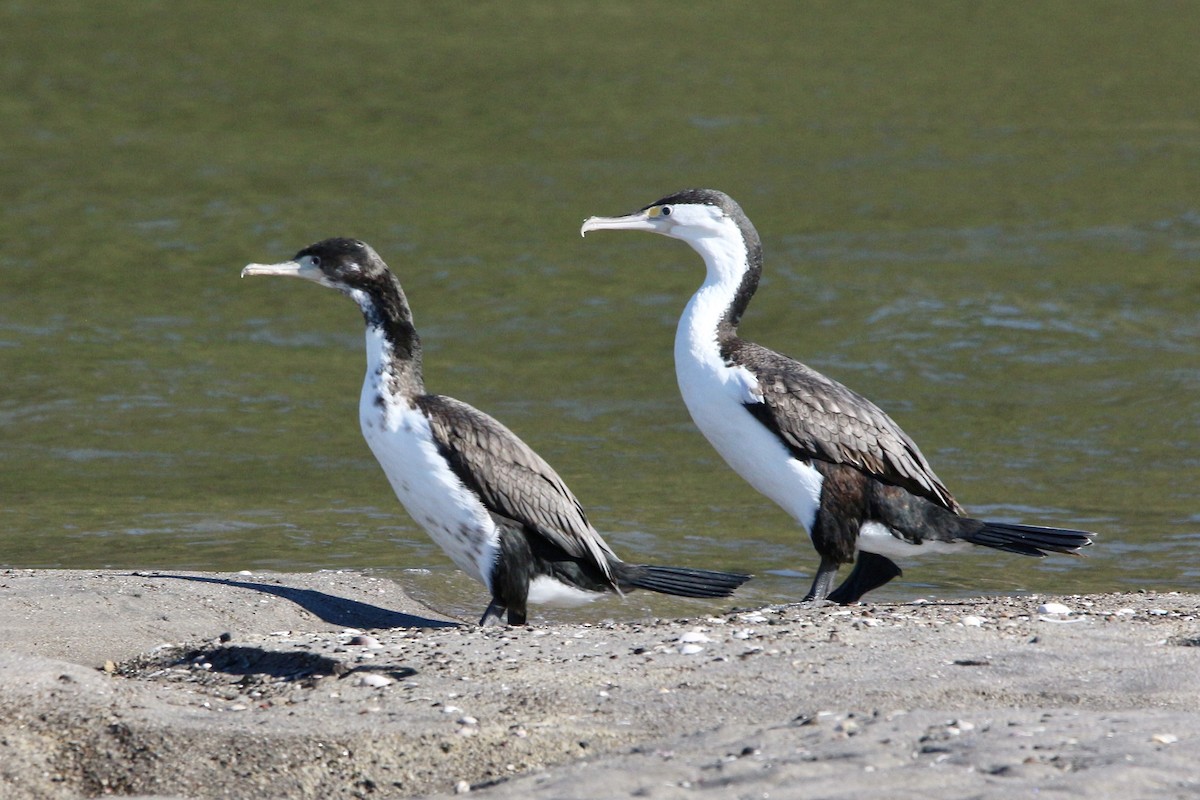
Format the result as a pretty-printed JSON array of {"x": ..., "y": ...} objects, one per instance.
[{"x": 497, "y": 509}]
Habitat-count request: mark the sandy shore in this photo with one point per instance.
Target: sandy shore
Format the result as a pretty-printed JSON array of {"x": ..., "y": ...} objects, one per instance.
[{"x": 340, "y": 685}]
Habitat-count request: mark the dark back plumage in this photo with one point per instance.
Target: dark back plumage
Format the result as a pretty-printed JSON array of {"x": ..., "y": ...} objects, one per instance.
[
  {"x": 819, "y": 418},
  {"x": 514, "y": 482}
]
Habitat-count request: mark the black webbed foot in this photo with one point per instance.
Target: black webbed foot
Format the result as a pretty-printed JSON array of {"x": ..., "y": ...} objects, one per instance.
[{"x": 871, "y": 571}]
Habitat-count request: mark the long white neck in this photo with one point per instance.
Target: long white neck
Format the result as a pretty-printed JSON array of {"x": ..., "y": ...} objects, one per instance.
[{"x": 708, "y": 312}]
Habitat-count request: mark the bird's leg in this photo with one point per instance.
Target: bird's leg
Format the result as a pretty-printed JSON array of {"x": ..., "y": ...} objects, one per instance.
[
  {"x": 494, "y": 614},
  {"x": 516, "y": 616},
  {"x": 871, "y": 571},
  {"x": 823, "y": 582}
]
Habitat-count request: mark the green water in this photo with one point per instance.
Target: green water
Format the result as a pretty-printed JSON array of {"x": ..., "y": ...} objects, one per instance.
[{"x": 984, "y": 216}]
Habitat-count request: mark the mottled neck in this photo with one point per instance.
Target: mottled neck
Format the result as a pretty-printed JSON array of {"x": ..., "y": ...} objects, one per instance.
[{"x": 393, "y": 346}]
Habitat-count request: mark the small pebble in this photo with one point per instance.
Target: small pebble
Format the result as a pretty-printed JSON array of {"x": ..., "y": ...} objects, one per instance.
[
  {"x": 462, "y": 787},
  {"x": 694, "y": 636},
  {"x": 972, "y": 621},
  {"x": 1164, "y": 738},
  {"x": 691, "y": 649},
  {"x": 369, "y": 642}
]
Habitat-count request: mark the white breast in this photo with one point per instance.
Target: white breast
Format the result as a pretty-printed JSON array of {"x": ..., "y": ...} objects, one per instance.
[
  {"x": 400, "y": 437},
  {"x": 715, "y": 395}
]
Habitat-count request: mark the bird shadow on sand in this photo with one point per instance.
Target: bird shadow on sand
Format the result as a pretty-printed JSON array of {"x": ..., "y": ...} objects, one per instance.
[{"x": 329, "y": 608}]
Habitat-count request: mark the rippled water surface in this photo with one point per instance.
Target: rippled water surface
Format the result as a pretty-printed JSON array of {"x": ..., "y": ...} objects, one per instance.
[{"x": 985, "y": 218}]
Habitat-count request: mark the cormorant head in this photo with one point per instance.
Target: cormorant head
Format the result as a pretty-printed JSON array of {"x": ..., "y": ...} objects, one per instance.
[
  {"x": 691, "y": 215},
  {"x": 347, "y": 265}
]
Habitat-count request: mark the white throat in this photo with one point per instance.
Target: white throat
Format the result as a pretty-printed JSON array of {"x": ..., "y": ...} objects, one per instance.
[{"x": 696, "y": 336}]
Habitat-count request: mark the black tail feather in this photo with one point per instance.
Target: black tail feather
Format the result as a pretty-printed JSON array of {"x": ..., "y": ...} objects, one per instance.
[
  {"x": 679, "y": 581},
  {"x": 1030, "y": 540}
]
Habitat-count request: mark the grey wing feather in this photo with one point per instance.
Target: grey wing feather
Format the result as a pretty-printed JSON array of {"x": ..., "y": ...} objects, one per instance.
[
  {"x": 513, "y": 481},
  {"x": 820, "y": 418}
]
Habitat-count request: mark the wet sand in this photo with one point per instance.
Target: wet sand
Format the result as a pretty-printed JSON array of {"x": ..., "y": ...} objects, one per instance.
[{"x": 340, "y": 685}]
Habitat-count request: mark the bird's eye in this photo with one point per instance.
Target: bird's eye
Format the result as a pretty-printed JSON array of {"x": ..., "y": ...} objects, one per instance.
[
  {"x": 665, "y": 211},
  {"x": 316, "y": 260}
]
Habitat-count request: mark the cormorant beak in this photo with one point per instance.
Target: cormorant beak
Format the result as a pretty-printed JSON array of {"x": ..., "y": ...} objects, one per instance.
[
  {"x": 645, "y": 220},
  {"x": 304, "y": 268}
]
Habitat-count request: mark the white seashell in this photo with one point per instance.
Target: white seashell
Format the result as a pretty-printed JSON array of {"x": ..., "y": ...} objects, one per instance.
[
  {"x": 1053, "y": 608},
  {"x": 373, "y": 680},
  {"x": 691, "y": 649},
  {"x": 972, "y": 621}
]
